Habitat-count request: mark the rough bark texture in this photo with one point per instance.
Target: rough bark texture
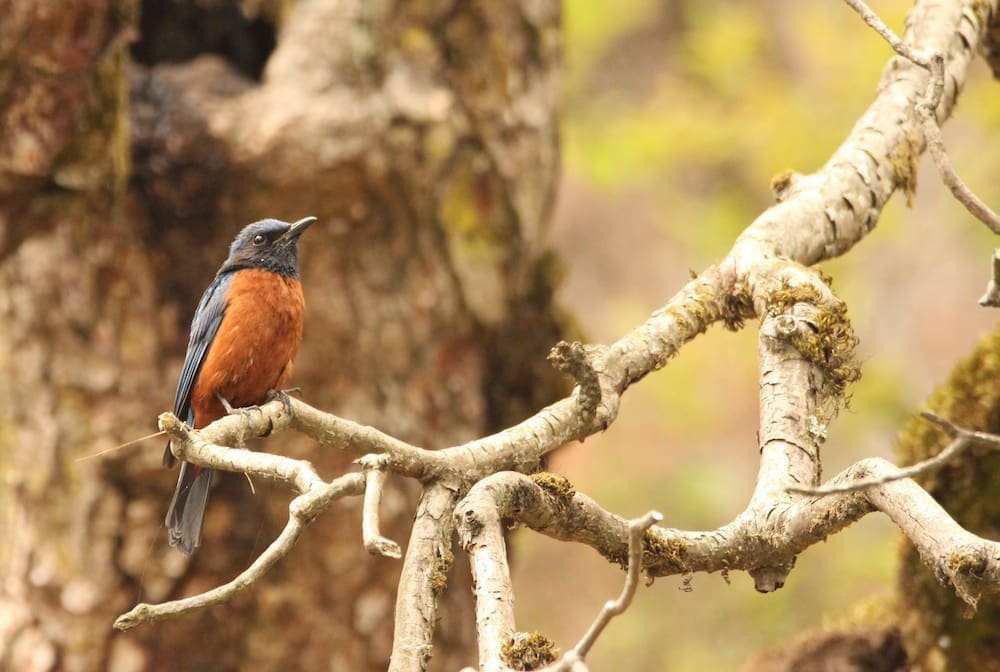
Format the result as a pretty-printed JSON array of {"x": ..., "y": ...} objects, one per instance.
[{"x": 421, "y": 134}]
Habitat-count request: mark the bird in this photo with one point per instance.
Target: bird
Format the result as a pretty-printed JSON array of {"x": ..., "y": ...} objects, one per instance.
[{"x": 244, "y": 335}]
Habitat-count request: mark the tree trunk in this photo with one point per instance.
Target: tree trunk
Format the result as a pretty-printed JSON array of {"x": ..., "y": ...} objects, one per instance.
[{"x": 422, "y": 135}]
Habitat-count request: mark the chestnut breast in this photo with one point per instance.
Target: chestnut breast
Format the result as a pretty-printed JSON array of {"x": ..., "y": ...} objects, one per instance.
[{"x": 253, "y": 350}]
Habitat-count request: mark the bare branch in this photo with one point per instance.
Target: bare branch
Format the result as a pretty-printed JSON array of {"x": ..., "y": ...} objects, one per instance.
[
  {"x": 766, "y": 274},
  {"x": 926, "y": 110},
  {"x": 374, "y": 470},
  {"x": 636, "y": 529},
  {"x": 872, "y": 19},
  {"x": 198, "y": 446},
  {"x": 423, "y": 578},
  {"x": 962, "y": 440},
  {"x": 969, "y": 563},
  {"x": 549, "y": 505},
  {"x": 935, "y": 143},
  {"x": 302, "y": 510},
  {"x": 573, "y": 660},
  {"x": 790, "y": 393},
  {"x": 342, "y": 434},
  {"x": 481, "y": 533}
]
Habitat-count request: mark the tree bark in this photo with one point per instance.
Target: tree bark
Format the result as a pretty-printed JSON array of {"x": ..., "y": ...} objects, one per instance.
[{"x": 423, "y": 137}]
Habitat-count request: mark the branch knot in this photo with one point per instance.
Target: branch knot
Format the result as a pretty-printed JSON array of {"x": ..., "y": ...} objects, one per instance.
[{"x": 585, "y": 364}]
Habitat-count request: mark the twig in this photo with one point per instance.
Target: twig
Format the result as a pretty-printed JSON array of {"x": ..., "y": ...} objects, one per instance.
[
  {"x": 926, "y": 111},
  {"x": 120, "y": 446},
  {"x": 962, "y": 439},
  {"x": 573, "y": 660},
  {"x": 302, "y": 510},
  {"x": 935, "y": 143},
  {"x": 992, "y": 296},
  {"x": 374, "y": 470},
  {"x": 872, "y": 19},
  {"x": 636, "y": 530},
  {"x": 478, "y": 519}
]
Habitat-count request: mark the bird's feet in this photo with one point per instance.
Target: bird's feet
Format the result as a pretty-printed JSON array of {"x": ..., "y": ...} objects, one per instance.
[
  {"x": 284, "y": 396},
  {"x": 244, "y": 412}
]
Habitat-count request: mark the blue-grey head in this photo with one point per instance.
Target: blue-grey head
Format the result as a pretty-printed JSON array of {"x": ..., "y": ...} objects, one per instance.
[{"x": 269, "y": 244}]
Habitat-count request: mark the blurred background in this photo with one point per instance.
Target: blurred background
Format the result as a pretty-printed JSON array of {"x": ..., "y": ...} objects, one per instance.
[
  {"x": 675, "y": 116},
  {"x": 138, "y": 137}
]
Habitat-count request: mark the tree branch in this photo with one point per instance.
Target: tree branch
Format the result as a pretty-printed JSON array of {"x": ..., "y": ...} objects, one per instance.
[
  {"x": 423, "y": 578},
  {"x": 303, "y": 509},
  {"x": 636, "y": 529},
  {"x": 969, "y": 563},
  {"x": 374, "y": 469},
  {"x": 962, "y": 440},
  {"x": 549, "y": 505},
  {"x": 992, "y": 296},
  {"x": 806, "y": 346},
  {"x": 481, "y": 534},
  {"x": 926, "y": 109}
]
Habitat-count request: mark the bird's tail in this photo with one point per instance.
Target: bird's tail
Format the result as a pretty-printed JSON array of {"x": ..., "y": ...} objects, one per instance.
[{"x": 187, "y": 508}]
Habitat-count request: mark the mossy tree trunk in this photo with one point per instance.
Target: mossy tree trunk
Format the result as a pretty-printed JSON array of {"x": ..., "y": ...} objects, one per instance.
[{"x": 422, "y": 135}]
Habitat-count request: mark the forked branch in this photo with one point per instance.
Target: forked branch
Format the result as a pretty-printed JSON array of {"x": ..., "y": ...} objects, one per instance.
[
  {"x": 805, "y": 349},
  {"x": 926, "y": 109}
]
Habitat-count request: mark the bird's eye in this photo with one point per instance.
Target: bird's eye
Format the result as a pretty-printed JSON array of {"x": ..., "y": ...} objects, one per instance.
[{"x": 259, "y": 239}]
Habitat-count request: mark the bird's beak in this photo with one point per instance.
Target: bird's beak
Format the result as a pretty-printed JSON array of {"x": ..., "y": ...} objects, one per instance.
[{"x": 297, "y": 229}]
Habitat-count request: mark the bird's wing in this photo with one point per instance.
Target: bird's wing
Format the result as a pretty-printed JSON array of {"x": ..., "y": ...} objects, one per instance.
[{"x": 205, "y": 325}]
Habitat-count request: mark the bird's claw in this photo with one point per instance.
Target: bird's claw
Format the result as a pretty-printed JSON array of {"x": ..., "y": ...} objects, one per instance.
[
  {"x": 284, "y": 396},
  {"x": 244, "y": 412}
]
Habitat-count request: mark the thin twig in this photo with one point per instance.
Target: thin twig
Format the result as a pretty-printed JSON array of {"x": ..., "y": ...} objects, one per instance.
[
  {"x": 992, "y": 296},
  {"x": 375, "y": 471},
  {"x": 636, "y": 529},
  {"x": 876, "y": 24},
  {"x": 573, "y": 660},
  {"x": 301, "y": 512},
  {"x": 926, "y": 111},
  {"x": 935, "y": 143},
  {"x": 119, "y": 447},
  {"x": 962, "y": 439}
]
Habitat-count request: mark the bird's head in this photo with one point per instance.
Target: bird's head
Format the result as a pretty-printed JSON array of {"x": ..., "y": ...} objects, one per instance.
[{"x": 270, "y": 244}]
